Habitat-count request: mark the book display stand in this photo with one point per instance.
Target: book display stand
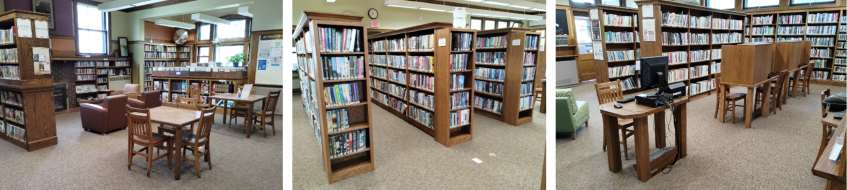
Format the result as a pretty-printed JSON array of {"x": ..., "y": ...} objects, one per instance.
[
  {"x": 424, "y": 74},
  {"x": 332, "y": 61},
  {"x": 27, "y": 120}
]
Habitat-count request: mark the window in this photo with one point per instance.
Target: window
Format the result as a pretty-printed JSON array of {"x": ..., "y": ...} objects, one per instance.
[
  {"x": 204, "y": 32},
  {"x": 631, "y": 4},
  {"x": 583, "y": 36},
  {"x": 611, "y": 2},
  {"x": 476, "y": 24},
  {"x": 235, "y": 29},
  {"x": 91, "y": 30},
  {"x": 203, "y": 54},
  {"x": 591, "y": 2},
  {"x": 694, "y": 2},
  {"x": 760, "y": 3},
  {"x": 489, "y": 24},
  {"x": 222, "y": 53},
  {"x": 517, "y": 24},
  {"x": 721, "y": 4},
  {"x": 502, "y": 24},
  {"x": 801, "y": 2}
]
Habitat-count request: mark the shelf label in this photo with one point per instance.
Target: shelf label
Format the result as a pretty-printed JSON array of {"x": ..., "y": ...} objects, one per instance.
[
  {"x": 41, "y": 29},
  {"x": 516, "y": 42},
  {"x": 24, "y": 28},
  {"x": 222, "y": 81},
  {"x": 177, "y": 73},
  {"x": 106, "y": 59},
  {"x": 442, "y": 42}
]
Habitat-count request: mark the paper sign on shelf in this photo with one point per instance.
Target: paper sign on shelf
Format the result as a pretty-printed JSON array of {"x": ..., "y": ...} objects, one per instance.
[
  {"x": 459, "y": 14},
  {"x": 442, "y": 42},
  {"x": 647, "y": 11},
  {"x": 598, "y": 50},
  {"x": 41, "y": 28},
  {"x": 516, "y": 42},
  {"x": 24, "y": 28},
  {"x": 648, "y": 30},
  {"x": 593, "y": 14},
  {"x": 245, "y": 92},
  {"x": 541, "y": 45}
]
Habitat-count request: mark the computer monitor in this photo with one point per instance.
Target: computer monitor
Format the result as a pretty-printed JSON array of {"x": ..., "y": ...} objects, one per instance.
[{"x": 654, "y": 73}]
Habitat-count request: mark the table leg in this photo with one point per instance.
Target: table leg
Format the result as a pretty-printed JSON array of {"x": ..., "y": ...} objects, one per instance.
[
  {"x": 722, "y": 101},
  {"x": 748, "y": 109},
  {"x": 681, "y": 126},
  {"x": 177, "y": 156},
  {"x": 613, "y": 148},
  {"x": 225, "y": 103},
  {"x": 785, "y": 90},
  {"x": 543, "y": 98},
  {"x": 248, "y": 116},
  {"x": 659, "y": 128},
  {"x": 766, "y": 107},
  {"x": 642, "y": 149},
  {"x": 794, "y": 81}
]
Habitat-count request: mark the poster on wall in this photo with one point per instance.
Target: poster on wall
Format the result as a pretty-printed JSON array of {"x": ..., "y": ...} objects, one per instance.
[
  {"x": 459, "y": 17},
  {"x": 598, "y": 50},
  {"x": 269, "y": 59},
  {"x": 46, "y": 7},
  {"x": 595, "y": 31},
  {"x": 41, "y": 60},
  {"x": 561, "y": 22}
]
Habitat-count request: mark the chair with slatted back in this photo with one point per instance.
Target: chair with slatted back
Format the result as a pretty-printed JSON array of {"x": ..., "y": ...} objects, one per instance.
[
  {"x": 729, "y": 99},
  {"x": 193, "y": 141},
  {"x": 803, "y": 81},
  {"x": 141, "y": 133},
  {"x": 268, "y": 110},
  {"x": 611, "y": 92},
  {"x": 194, "y": 91},
  {"x": 775, "y": 93},
  {"x": 240, "y": 109}
]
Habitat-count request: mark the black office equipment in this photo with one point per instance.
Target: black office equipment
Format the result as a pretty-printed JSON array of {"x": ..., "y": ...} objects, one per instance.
[{"x": 625, "y": 100}]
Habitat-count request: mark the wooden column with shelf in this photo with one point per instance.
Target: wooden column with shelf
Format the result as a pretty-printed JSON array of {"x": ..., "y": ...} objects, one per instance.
[
  {"x": 39, "y": 122},
  {"x": 440, "y": 128},
  {"x": 308, "y": 40},
  {"x": 602, "y": 66},
  {"x": 656, "y": 48},
  {"x": 514, "y": 67}
]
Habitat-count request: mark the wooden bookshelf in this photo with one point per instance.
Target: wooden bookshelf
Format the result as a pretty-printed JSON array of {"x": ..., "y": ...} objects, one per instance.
[
  {"x": 152, "y": 59},
  {"x": 602, "y": 66},
  {"x": 656, "y": 48},
  {"x": 104, "y": 68},
  {"x": 511, "y": 111},
  {"x": 211, "y": 88},
  {"x": 312, "y": 85},
  {"x": 39, "y": 120},
  {"x": 440, "y": 127}
]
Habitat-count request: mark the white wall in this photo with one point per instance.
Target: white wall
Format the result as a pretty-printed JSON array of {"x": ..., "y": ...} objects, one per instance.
[{"x": 267, "y": 15}]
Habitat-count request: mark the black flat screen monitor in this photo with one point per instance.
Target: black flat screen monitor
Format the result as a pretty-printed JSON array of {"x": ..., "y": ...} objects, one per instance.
[{"x": 654, "y": 72}]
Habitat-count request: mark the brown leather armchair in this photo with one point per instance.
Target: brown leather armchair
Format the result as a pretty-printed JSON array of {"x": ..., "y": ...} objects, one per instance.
[
  {"x": 148, "y": 99},
  {"x": 109, "y": 116}
]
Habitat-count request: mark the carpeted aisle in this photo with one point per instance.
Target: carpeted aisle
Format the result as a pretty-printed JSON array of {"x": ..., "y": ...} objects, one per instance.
[
  {"x": 86, "y": 160},
  {"x": 776, "y": 153}
]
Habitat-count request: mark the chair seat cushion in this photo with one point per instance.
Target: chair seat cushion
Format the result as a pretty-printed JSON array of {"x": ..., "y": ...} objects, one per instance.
[
  {"x": 624, "y": 122},
  {"x": 257, "y": 112},
  {"x": 170, "y": 129},
  {"x": 144, "y": 141},
  {"x": 189, "y": 138},
  {"x": 581, "y": 114},
  {"x": 736, "y": 96}
]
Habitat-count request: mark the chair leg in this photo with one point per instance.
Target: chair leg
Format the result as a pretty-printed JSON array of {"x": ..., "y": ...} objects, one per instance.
[
  {"x": 733, "y": 112},
  {"x": 263, "y": 127},
  {"x": 604, "y": 141},
  {"x": 625, "y": 147},
  {"x": 149, "y": 163},
  {"x": 169, "y": 153},
  {"x": 129, "y": 165},
  {"x": 197, "y": 161},
  {"x": 273, "y": 125},
  {"x": 208, "y": 155}
]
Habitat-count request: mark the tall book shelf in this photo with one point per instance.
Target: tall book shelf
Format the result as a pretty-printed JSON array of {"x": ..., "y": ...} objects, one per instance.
[
  {"x": 826, "y": 28},
  {"x": 620, "y": 45},
  {"x": 516, "y": 73},
  {"x": 92, "y": 76},
  {"x": 424, "y": 74},
  {"x": 27, "y": 120},
  {"x": 695, "y": 36},
  {"x": 163, "y": 55},
  {"x": 335, "y": 99}
]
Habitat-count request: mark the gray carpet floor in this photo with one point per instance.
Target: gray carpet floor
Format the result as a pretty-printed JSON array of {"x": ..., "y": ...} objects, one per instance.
[
  {"x": 407, "y": 158},
  {"x": 776, "y": 153},
  {"x": 86, "y": 160}
]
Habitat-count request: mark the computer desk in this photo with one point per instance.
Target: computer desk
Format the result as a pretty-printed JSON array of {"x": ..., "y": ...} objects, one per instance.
[
  {"x": 751, "y": 99},
  {"x": 638, "y": 114},
  {"x": 831, "y": 171}
]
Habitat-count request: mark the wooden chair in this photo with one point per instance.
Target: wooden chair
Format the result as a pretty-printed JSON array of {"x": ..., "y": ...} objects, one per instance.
[
  {"x": 194, "y": 92},
  {"x": 240, "y": 110},
  {"x": 181, "y": 103},
  {"x": 611, "y": 92},
  {"x": 775, "y": 94},
  {"x": 803, "y": 81},
  {"x": 193, "y": 141},
  {"x": 268, "y": 111},
  {"x": 729, "y": 99},
  {"x": 141, "y": 133}
]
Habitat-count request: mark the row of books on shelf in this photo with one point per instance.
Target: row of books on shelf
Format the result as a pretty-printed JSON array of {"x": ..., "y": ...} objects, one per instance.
[
  {"x": 821, "y": 41},
  {"x": 527, "y": 88},
  {"x": 674, "y": 19},
  {"x": 14, "y": 115},
  {"x": 700, "y": 22},
  {"x": 337, "y": 119},
  {"x": 334, "y": 39},
  {"x": 459, "y": 99},
  {"x": 390, "y": 88},
  {"x": 528, "y": 73},
  {"x": 821, "y": 30},
  {"x": 9, "y": 55},
  {"x": 839, "y": 77},
  {"x": 102, "y": 80},
  {"x": 842, "y": 36},
  {"x": 487, "y": 104},
  {"x": 84, "y": 71},
  {"x": 716, "y": 53},
  {"x": 529, "y": 58},
  {"x": 531, "y": 42},
  {"x": 346, "y": 143},
  {"x": 490, "y": 73},
  {"x": 7, "y": 36},
  {"x": 629, "y": 83},
  {"x": 732, "y": 24},
  {"x": 304, "y": 44},
  {"x": 722, "y": 38},
  {"x": 841, "y": 53},
  {"x": 676, "y": 57},
  {"x": 700, "y": 87},
  {"x": 840, "y": 61},
  {"x": 462, "y": 41},
  {"x": 423, "y": 116},
  {"x": 184, "y": 55},
  {"x": 526, "y": 102},
  {"x": 619, "y": 71},
  {"x": 184, "y": 49},
  {"x": 491, "y": 42},
  {"x": 816, "y": 52},
  {"x": 763, "y": 30},
  {"x": 622, "y": 55},
  {"x": 489, "y": 87},
  {"x": 840, "y": 69},
  {"x": 160, "y": 48},
  {"x": 822, "y": 18},
  {"x": 617, "y": 20},
  {"x": 11, "y": 97},
  {"x": 426, "y": 82},
  {"x": 342, "y": 68},
  {"x": 459, "y": 61},
  {"x": 102, "y": 87},
  {"x": 120, "y": 71},
  {"x": 397, "y": 76},
  {"x": 841, "y": 45},
  {"x": 762, "y": 39},
  {"x": 85, "y": 77},
  {"x": 699, "y": 55},
  {"x": 790, "y": 19},
  {"x": 425, "y": 42},
  {"x": 716, "y": 67},
  {"x": 396, "y": 44},
  {"x": 100, "y": 72},
  {"x": 764, "y": 19},
  {"x": 422, "y": 63},
  {"x": 422, "y": 99},
  {"x": 14, "y": 131},
  {"x": 492, "y": 58},
  {"x": 457, "y": 82},
  {"x": 677, "y": 75},
  {"x": 10, "y": 72},
  {"x": 621, "y": 37},
  {"x": 460, "y": 117},
  {"x": 561, "y": 40},
  {"x": 820, "y": 75},
  {"x": 342, "y": 94},
  {"x": 159, "y": 55},
  {"x": 791, "y": 30},
  {"x": 164, "y": 64},
  {"x": 699, "y": 71}
]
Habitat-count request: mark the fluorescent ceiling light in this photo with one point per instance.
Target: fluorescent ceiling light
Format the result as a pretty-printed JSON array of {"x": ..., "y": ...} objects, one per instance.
[
  {"x": 478, "y": 1},
  {"x": 174, "y": 24},
  {"x": 245, "y": 11},
  {"x": 124, "y": 4},
  {"x": 331, "y": 1},
  {"x": 495, "y": 3},
  {"x": 520, "y": 7},
  {"x": 209, "y": 19},
  {"x": 537, "y": 9},
  {"x": 401, "y": 6},
  {"x": 428, "y": 9}
]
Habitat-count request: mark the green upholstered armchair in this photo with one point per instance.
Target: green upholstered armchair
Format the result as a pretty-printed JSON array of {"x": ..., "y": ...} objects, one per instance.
[{"x": 570, "y": 114}]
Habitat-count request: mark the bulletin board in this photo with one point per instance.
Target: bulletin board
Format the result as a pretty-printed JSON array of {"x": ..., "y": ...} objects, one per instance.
[{"x": 269, "y": 60}]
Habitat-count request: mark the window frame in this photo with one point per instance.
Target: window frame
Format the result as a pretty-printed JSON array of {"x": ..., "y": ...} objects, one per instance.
[
  {"x": 198, "y": 36},
  {"x": 107, "y": 32},
  {"x": 247, "y": 22},
  {"x": 744, "y": 4},
  {"x": 227, "y": 42},
  {"x": 496, "y": 22},
  {"x": 791, "y": 3},
  {"x": 709, "y": 2}
]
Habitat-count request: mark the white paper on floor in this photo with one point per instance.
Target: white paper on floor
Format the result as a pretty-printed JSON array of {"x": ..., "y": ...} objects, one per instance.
[
  {"x": 492, "y": 154},
  {"x": 477, "y": 160}
]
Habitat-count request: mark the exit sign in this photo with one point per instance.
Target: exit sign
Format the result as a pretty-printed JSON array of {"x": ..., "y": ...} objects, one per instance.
[{"x": 374, "y": 24}]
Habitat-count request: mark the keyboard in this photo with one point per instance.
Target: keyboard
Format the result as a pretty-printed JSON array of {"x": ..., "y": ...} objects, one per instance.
[
  {"x": 838, "y": 115},
  {"x": 625, "y": 100}
]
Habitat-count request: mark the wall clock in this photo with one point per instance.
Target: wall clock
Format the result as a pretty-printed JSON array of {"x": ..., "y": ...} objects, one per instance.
[{"x": 373, "y": 13}]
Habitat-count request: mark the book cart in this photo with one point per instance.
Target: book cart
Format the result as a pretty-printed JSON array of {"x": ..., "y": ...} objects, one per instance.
[
  {"x": 826, "y": 28},
  {"x": 308, "y": 37},
  {"x": 27, "y": 120},
  {"x": 514, "y": 104},
  {"x": 620, "y": 45},
  {"x": 424, "y": 83},
  {"x": 696, "y": 60}
]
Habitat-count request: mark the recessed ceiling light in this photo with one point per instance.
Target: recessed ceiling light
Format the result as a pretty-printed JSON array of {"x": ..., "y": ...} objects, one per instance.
[
  {"x": 495, "y": 3},
  {"x": 401, "y": 6},
  {"x": 537, "y": 9},
  {"x": 520, "y": 7}
]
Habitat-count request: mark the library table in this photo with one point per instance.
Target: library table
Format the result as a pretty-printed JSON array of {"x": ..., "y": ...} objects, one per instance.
[
  {"x": 831, "y": 171},
  {"x": 250, "y": 100},
  {"x": 638, "y": 113},
  {"x": 751, "y": 99},
  {"x": 179, "y": 119}
]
